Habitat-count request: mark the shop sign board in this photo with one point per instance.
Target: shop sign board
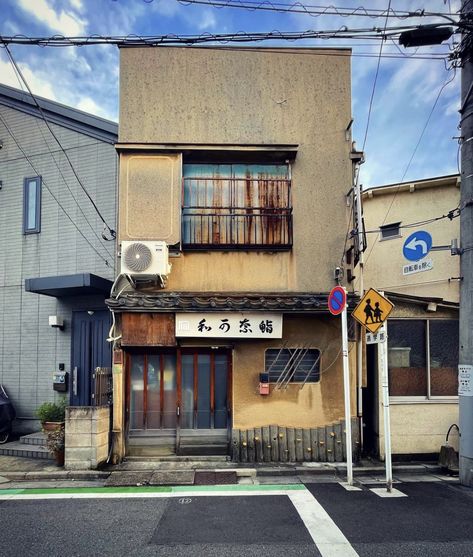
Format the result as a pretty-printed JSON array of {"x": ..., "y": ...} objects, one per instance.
[
  {"x": 229, "y": 325},
  {"x": 373, "y": 310}
]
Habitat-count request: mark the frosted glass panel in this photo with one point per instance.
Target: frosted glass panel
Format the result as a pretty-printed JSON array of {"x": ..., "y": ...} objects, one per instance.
[
  {"x": 221, "y": 372},
  {"x": 136, "y": 394},
  {"x": 203, "y": 391},
  {"x": 187, "y": 410},
  {"x": 154, "y": 393},
  {"x": 170, "y": 393},
  {"x": 31, "y": 205}
]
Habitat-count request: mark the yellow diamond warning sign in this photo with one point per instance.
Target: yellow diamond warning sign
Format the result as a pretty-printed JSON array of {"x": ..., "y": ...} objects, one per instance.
[{"x": 373, "y": 310}]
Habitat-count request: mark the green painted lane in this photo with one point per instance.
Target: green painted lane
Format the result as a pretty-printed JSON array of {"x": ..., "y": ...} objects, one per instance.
[{"x": 150, "y": 489}]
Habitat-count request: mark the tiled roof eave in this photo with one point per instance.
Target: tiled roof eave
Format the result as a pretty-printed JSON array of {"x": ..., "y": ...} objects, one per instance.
[{"x": 195, "y": 302}]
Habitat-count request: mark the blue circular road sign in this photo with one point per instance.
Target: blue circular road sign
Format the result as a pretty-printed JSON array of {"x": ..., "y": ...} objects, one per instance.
[
  {"x": 417, "y": 245},
  {"x": 337, "y": 300}
]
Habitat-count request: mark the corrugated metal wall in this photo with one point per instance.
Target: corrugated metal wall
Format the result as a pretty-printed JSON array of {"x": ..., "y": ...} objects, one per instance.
[{"x": 30, "y": 350}]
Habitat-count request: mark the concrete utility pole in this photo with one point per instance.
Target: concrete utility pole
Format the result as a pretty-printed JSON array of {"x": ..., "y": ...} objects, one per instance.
[{"x": 466, "y": 257}]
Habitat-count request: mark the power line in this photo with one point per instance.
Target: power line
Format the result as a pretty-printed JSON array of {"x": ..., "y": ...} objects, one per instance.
[
  {"x": 203, "y": 38},
  {"x": 412, "y": 156},
  {"x": 12, "y": 135},
  {"x": 18, "y": 70},
  {"x": 313, "y": 10},
  {"x": 62, "y": 174},
  {"x": 374, "y": 82}
]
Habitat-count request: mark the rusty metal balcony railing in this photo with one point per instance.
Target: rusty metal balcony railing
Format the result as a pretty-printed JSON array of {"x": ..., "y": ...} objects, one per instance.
[{"x": 237, "y": 213}]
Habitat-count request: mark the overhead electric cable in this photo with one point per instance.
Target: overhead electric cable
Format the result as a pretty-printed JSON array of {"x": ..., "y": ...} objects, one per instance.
[
  {"x": 12, "y": 135},
  {"x": 313, "y": 10},
  {"x": 375, "y": 82},
  {"x": 413, "y": 155},
  {"x": 15, "y": 65},
  {"x": 51, "y": 153}
]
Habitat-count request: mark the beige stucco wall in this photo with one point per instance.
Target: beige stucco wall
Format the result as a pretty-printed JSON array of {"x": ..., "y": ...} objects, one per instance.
[
  {"x": 383, "y": 267},
  {"x": 314, "y": 405},
  {"x": 419, "y": 427},
  {"x": 241, "y": 98}
]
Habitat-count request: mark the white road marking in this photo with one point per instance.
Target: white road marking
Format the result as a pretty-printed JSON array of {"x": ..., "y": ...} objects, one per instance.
[
  {"x": 327, "y": 536},
  {"x": 349, "y": 487},
  {"x": 383, "y": 492}
]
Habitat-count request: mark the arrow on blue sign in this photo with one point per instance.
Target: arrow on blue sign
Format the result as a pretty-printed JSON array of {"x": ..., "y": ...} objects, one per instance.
[{"x": 417, "y": 245}]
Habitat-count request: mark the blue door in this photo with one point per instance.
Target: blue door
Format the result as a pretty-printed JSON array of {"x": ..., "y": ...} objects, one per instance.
[{"x": 90, "y": 349}]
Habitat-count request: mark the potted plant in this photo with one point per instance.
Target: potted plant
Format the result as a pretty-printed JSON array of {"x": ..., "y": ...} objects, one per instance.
[
  {"x": 52, "y": 415},
  {"x": 55, "y": 443}
]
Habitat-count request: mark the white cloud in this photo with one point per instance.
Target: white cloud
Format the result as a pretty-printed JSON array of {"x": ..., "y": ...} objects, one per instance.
[
  {"x": 61, "y": 21},
  {"x": 77, "y": 4},
  {"x": 208, "y": 21},
  {"x": 37, "y": 84},
  {"x": 89, "y": 105}
]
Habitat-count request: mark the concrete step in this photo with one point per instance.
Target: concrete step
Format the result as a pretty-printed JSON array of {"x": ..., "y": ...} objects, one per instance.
[
  {"x": 16, "y": 448},
  {"x": 37, "y": 438},
  {"x": 176, "y": 458}
]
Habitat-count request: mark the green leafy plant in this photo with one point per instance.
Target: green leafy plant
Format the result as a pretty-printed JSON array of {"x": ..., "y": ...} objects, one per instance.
[
  {"x": 52, "y": 411},
  {"x": 55, "y": 441}
]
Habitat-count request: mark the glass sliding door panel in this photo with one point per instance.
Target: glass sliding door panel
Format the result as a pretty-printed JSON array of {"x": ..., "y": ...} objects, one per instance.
[
  {"x": 153, "y": 412},
  {"x": 221, "y": 373},
  {"x": 187, "y": 403},
  {"x": 203, "y": 392},
  {"x": 136, "y": 392},
  {"x": 169, "y": 391}
]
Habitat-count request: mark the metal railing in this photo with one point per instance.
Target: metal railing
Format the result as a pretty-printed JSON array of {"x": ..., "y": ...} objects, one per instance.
[
  {"x": 102, "y": 387},
  {"x": 233, "y": 213}
]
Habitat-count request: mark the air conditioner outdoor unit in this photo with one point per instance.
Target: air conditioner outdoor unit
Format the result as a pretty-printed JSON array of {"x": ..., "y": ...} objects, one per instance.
[{"x": 145, "y": 259}]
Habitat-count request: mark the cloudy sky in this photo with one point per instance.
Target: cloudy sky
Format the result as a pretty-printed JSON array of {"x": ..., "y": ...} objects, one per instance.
[{"x": 406, "y": 90}]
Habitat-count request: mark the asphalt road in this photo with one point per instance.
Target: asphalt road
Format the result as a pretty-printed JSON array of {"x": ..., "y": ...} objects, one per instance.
[{"x": 435, "y": 518}]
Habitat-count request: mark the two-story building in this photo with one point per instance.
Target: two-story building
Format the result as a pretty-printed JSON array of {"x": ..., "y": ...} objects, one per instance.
[
  {"x": 234, "y": 170},
  {"x": 56, "y": 268},
  {"x": 412, "y": 228}
]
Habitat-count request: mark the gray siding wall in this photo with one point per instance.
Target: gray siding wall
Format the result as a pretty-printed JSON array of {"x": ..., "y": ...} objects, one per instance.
[{"x": 30, "y": 350}]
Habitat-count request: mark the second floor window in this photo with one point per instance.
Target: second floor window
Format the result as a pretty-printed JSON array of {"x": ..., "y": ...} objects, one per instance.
[
  {"x": 32, "y": 205},
  {"x": 236, "y": 206}
]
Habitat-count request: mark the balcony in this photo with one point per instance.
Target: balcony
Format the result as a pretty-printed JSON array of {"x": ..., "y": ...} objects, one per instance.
[{"x": 232, "y": 213}]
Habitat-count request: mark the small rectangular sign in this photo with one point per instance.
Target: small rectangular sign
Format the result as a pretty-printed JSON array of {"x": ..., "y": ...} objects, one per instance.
[
  {"x": 376, "y": 338},
  {"x": 465, "y": 380},
  {"x": 418, "y": 267},
  {"x": 229, "y": 325}
]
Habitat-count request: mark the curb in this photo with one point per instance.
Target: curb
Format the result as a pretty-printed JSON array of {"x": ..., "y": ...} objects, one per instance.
[{"x": 263, "y": 471}]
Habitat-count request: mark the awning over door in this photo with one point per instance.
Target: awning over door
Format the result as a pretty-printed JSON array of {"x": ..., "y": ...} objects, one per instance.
[{"x": 81, "y": 284}]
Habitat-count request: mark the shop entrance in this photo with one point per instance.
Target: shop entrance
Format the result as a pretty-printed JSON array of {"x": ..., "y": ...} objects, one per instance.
[{"x": 179, "y": 401}]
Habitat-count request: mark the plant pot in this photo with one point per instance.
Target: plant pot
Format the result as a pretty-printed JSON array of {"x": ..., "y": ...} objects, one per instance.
[
  {"x": 52, "y": 426},
  {"x": 59, "y": 457}
]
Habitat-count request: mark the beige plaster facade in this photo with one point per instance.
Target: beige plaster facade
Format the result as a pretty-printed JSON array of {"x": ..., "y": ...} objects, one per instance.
[
  {"x": 417, "y": 425},
  {"x": 410, "y": 203},
  {"x": 179, "y": 105},
  {"x": 188, "y": 100}
]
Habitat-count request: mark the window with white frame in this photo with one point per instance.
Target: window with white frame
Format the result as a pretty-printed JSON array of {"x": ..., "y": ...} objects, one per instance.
[{"x": 423, "y": 358}]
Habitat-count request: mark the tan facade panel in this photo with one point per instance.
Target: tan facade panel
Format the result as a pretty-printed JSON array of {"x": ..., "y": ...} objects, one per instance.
[
  {"x": 150, "y": 197},
  {"x": 148, "y": 329}
]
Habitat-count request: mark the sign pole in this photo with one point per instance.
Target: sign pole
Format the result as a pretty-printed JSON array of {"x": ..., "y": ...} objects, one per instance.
[
  {"x": 346, "y": 388},
  {"x": 383, "y": 356}
]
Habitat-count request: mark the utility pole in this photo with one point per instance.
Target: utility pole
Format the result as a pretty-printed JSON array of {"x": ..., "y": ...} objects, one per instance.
[
  {"x": 435, "y": 35},
  {"x": 466, "y": 255}
]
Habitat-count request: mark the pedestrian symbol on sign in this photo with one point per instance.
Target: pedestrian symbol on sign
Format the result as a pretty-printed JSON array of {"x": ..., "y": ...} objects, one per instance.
[{"x": 373, "y": 310}]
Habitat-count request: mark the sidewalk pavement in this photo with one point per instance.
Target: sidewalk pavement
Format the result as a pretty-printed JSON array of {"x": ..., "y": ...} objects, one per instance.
[{"x": 20, "y": 470}]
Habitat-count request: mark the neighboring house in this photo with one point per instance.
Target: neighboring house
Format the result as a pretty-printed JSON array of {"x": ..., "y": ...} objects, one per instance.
[
  {"x": 423, "y": 327},
  {"x": 55, "y": 266},
  {"x": 239, "y": 161}
]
